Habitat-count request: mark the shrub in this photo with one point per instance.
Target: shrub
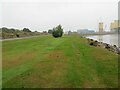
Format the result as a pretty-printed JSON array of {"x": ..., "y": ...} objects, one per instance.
[
  {"x": 17, "y": 35},
  {"x": 26, "y": 30},
  {"x": 57, "y": 31},
  {"x": 50, "y": 31}
]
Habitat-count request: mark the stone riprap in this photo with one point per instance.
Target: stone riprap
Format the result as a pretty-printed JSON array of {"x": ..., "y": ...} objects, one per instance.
[{"x": 109, "y": 47}]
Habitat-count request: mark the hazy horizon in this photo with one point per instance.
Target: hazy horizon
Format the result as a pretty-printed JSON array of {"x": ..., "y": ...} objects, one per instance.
[{"x": 71, "y": 14}]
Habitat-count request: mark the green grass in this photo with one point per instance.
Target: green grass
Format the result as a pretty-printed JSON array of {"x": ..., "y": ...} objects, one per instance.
[{"x": 67, "y": 62}]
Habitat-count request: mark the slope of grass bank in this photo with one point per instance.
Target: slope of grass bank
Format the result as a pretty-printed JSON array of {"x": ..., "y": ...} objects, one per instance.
[{"x": 67, "y": 62}]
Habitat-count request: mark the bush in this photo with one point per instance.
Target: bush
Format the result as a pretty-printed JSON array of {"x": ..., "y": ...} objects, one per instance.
[
  {"x": 57, "y": 31},
  {"x": 26, "y": 30},
  {"x": 17, "y": 35},
  {"x": 50, "y": 31}
]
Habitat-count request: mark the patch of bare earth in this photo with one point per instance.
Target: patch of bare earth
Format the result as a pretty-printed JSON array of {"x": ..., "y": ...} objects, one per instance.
[
  {"x": 49, "y": 73},
  {"x": 17, "y": 59},
  {"x": 86, "y": 84},
  {"x": 45, "y": 75},
  {"x": 56, "y": 55}
]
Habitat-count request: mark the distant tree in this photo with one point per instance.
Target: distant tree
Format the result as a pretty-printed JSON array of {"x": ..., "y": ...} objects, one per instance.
[
  {"x": 69, "y": 32},
  {"x": 57, "y": 31},
  {"x": 50, "y": 31},
  {"x": 44, "y": 31},
  {"x": 12, "y": 30},
  {"x": 4, "y": 29},
  {"x": 35, "y": 31},
  {"x": 26, "y": 30}
]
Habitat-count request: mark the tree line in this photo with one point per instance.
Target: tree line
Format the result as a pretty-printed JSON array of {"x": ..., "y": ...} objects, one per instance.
[{"x": 16, "y": 33}]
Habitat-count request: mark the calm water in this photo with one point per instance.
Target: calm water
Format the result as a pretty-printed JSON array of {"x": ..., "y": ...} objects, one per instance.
[{"x": 110, "y": 39}]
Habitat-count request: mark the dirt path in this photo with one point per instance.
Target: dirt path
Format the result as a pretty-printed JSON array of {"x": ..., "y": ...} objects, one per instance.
[{"x": 17, "y": 38}]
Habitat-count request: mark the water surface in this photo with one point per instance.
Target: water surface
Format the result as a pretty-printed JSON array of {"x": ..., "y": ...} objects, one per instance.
[{"x": 110, "y": 39}]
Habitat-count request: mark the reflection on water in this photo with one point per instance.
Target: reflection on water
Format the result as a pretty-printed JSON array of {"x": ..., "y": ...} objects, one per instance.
[
  {"x": 110, "y": 39},
  {"x": 100, "y": 38}
]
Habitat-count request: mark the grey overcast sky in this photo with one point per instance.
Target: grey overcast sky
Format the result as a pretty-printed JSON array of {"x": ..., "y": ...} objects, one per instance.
[{"x": 45, "y": 14}]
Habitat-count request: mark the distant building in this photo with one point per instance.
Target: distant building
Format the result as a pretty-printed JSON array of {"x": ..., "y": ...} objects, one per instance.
[
  {"x": 114, "y": 26},
  {"x": 119, "y": 26},
  {"x": 85, "y": 31},
  {"x": 101, "y": 27},
  {"x": 118, "y": 23},
  {"x": 71, "y": 32}
]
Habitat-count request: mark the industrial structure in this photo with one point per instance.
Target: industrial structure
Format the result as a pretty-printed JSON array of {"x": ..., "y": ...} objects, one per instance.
[
  {"x": 101, "y": 27},
  {"x": 114, "y": 26}
]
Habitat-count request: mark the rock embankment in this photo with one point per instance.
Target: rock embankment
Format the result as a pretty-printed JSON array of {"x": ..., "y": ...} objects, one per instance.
[{"x": 109, "y": 47}]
